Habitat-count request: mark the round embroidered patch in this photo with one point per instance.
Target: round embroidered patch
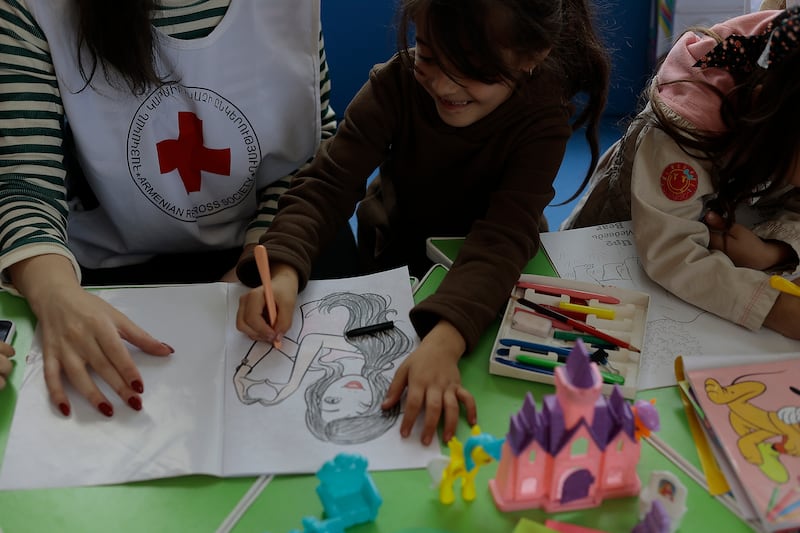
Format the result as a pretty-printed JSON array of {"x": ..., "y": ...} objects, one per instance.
[{"x": 678, "y": 181}]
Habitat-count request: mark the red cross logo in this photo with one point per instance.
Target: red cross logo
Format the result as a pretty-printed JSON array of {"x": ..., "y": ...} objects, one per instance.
[{"x": 189, "y": 156}]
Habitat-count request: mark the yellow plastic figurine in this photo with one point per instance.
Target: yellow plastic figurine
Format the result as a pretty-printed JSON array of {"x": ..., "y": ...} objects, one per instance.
[{"x": 464, "y": 463}]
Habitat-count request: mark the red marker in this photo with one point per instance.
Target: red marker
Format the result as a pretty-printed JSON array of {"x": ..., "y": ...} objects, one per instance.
[{"x": 573, "y": 293}]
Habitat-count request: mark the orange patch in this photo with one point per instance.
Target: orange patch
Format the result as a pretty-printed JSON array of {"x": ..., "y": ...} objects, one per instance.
[{"x": 678, "y": 181}]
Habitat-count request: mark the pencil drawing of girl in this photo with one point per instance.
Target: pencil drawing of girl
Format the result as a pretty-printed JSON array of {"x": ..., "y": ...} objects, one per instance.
[{"x": 343, "y": 403}]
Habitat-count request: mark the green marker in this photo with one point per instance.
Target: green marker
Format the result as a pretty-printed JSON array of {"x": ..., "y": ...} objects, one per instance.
[
  {"x": 549, "y": 364},
  {"x": 590, "y": 339}
]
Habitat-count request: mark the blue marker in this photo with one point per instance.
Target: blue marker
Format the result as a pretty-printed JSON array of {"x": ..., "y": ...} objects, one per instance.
[{"x": 514, "y": 364}]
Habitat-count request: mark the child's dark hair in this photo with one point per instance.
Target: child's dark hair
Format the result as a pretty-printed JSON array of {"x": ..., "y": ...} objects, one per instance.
[
  {"x": 760, "y": 142},
  {"x": 487, "y": 28}
]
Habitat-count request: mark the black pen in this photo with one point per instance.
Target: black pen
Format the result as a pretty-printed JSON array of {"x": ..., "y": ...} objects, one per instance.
[{"x": 372, "y": 328}]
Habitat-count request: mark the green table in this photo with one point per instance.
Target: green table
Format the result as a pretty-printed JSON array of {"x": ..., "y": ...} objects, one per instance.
[
  {"x": 201, "y": 503},
  {"x": 443, "y": 250}
]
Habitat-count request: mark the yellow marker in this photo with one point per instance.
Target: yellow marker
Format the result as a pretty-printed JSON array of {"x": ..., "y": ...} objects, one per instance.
[
  {"x": 784, "y": 285},
  {"x": 601, "y": 312}
]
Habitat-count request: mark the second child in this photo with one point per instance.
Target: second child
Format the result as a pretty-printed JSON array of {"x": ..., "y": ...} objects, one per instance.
[{"x": 469, "y": 128}]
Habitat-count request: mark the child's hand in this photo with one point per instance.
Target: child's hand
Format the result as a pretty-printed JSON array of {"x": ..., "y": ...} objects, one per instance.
[
  {"x": 434, "y": 383},
  {"x": 783, "y": 317},
  {"x": 251, "y": 316},
  {"x": 6, "y": 353},
  {"x": 743, "y": 247}
]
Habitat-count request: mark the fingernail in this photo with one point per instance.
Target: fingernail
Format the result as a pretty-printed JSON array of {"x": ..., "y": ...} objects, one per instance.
[
  {"x": 171, "y": 349},
  {"x": 137, "y": 386},
  {"x": 64, "y": 408},
  {"x": 105, "y": 408},
  {"x": 135, "y": 402}
]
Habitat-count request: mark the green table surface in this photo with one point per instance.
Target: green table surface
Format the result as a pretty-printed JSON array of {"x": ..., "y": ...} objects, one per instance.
[
  {"x": 540, "y": 264},
  {"x": 201, "y": 503}
]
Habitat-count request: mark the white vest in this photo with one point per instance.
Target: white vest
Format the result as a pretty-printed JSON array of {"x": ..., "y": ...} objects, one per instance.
[{"x": 178, "y": 169}]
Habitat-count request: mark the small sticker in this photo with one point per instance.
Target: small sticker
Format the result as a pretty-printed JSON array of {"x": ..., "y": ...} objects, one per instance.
[{"x": 678, "y": 181}]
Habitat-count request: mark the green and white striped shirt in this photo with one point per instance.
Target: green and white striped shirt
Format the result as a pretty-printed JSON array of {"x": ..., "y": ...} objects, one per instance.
[{"x": 33, "y": 204}]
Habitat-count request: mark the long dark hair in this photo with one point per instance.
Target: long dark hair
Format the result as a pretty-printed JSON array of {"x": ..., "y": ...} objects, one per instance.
[
  {"x": 118, "y": 36},
  {"x": 380, "y": 352},
  {"x": 759, "y": 143},
  {"x": 525, "y": 27}
]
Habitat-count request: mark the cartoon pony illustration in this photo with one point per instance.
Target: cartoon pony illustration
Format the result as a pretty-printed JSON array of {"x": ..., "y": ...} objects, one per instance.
[{"x": 763, "y": 435}]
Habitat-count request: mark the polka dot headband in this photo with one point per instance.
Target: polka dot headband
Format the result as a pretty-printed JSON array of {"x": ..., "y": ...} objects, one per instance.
[{"x": 742, "y": 53}]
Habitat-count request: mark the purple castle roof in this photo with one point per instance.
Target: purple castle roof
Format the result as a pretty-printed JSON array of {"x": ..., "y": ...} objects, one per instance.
[
  {"x": 612, "y": 415},
  {"x": 579, "y": 369}
]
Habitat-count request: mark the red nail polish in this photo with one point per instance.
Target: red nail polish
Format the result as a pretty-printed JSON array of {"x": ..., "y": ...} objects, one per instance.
[
  {"x": 64, "y": 408},
  {"x": 105, "y": 408},
  {"x": 137, "y": 386},
  {"x": 135, "y": 402}
]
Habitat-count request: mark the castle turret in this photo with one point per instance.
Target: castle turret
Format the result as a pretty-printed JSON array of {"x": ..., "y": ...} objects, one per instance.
[{"x": 578, "y": 386}]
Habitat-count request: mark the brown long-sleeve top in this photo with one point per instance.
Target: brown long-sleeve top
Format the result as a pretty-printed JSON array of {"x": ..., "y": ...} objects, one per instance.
[{"x": 489, "y": 181}]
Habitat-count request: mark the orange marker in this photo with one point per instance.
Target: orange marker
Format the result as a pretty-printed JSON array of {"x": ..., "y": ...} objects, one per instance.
[{"x": 262, "y": 262}]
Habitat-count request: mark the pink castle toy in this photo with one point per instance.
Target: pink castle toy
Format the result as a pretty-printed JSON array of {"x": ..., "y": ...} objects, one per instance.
[{"x": 579, "y": 449}]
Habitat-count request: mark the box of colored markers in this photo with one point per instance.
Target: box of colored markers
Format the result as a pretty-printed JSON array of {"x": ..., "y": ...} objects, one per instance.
[{"x": 546, "y": 315}]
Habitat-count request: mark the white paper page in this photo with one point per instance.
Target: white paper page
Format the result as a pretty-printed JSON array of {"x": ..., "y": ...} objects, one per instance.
[
  {"x": 606, "y": 255},
  {"x": 264, "y": 436},
  {"x": 178, "y": 430}
]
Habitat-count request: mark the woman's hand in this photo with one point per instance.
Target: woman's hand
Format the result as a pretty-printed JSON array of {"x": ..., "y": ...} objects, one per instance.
[
  {"x": 81, "y": 331},
  {"x": 743, "y": 247},
  {"x": 434, "y": 383},
  {"x": 251, "y": 316},
  {"x": 6, "y": 353}
]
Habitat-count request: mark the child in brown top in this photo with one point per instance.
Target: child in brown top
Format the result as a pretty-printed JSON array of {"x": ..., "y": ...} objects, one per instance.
[{"x": 469, "y": 129}]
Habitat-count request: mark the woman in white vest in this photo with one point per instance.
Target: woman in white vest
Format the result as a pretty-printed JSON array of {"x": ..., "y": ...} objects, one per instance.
[{"x": 144, "y": 142}]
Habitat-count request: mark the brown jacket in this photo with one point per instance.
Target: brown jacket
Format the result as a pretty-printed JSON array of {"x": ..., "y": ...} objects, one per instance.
[{"x": 489, "y": 181}]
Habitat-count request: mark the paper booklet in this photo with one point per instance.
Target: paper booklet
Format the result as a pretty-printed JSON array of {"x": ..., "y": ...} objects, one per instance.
[
  {"x": 751, "y": 412},
  {"x": 224, "y": 405},
  {"x": 606, "y": 255}
]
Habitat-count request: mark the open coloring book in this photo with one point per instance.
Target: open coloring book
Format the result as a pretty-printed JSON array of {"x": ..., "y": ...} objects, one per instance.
[{"x": 224, "y": 405}]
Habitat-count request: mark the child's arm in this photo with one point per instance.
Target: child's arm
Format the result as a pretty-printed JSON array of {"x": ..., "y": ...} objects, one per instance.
[
  {"x": 745, "y": 248},
  {"x": 268, "y": 200},
  {"x": 783, "y": 317},
  {"x": 673, "y": 240},
  {"x": 434, "y": 384}
]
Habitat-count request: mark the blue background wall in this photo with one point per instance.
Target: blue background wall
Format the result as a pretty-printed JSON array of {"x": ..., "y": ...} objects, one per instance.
[
  {"x": 626, "y": 29},
  {"x": 360, "y": 33}
]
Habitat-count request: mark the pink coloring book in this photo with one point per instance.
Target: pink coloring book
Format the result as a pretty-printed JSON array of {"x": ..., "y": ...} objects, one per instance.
[{"x": 753, "y": 410}]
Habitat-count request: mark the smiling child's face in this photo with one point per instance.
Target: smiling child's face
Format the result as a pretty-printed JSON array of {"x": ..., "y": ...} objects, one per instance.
[{"x": 460, "y": 102}]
